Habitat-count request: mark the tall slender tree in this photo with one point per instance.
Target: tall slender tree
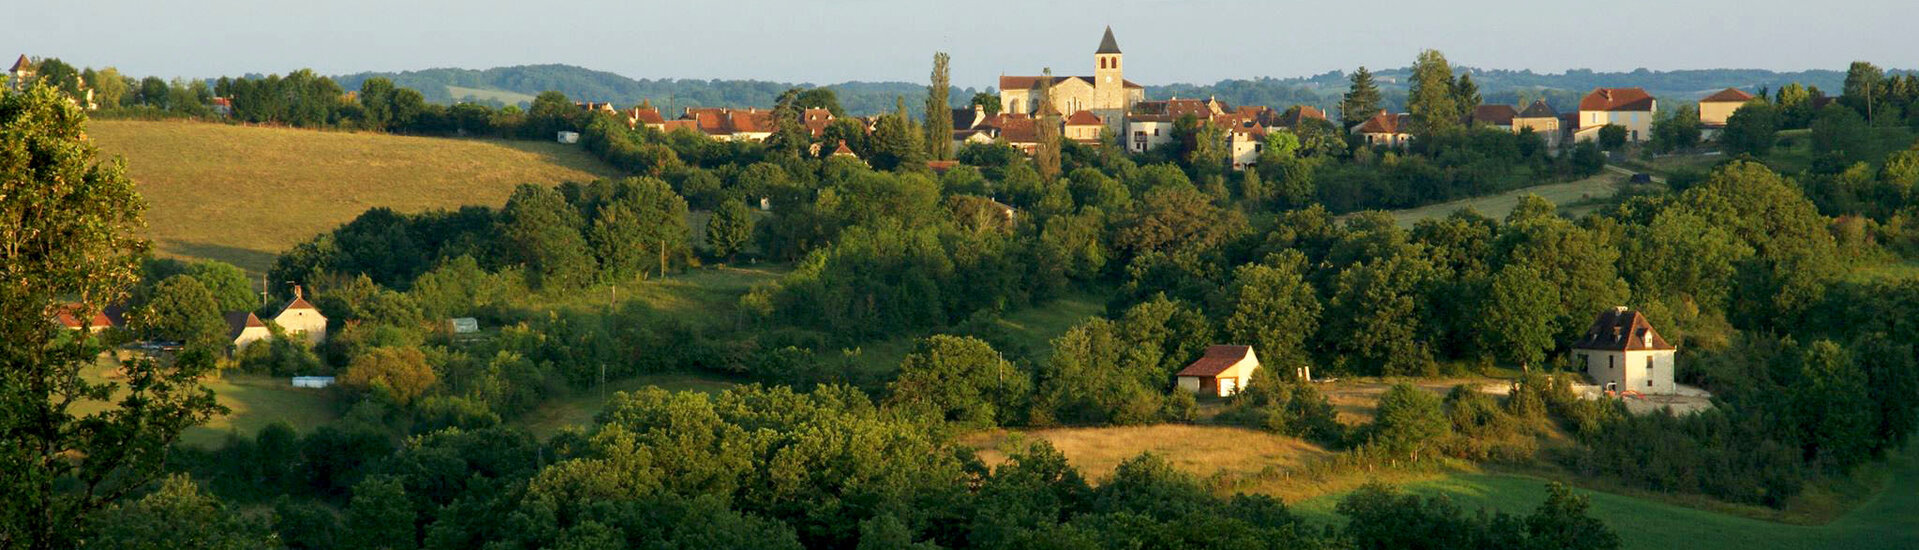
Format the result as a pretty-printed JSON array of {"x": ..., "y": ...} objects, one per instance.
[
  {"x": 1361, "y": 100},
  {"x": 939, "y": 114},
  {"x": 1466, "y": 93},
  {"x": 1047, "y": 128}
]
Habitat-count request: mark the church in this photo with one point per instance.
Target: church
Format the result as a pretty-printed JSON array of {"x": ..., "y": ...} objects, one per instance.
[{"x": 1107, "y": 93}]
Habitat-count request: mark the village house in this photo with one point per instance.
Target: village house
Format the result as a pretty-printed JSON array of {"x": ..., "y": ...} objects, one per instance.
[
  {"x": 1151, "y": 123},
  {"x": 1541, "y": 119},
  {"x": 1107, "y": 93},
  {"x": 645, "y": 115},
  {"x": 1716, "y": 109},
  {"x": 1621, "y": 352},
  {"x": 729, "y": 124},
  {"x": 300, "y": 318},
  {"x": 1385, "y": 129},
  {"x": 1631, "y": 108},
  {"x": 1221, "y": 371},
  {"x": 1083, "y": 127},
  {"x": 243, "y": 327}
]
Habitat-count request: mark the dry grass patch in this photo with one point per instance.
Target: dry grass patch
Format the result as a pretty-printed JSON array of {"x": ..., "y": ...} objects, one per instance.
[
  {"x": 244, "y": 194},
  {"x": 1574, "y": 198},
  {"x": 1201, "y": 450}
]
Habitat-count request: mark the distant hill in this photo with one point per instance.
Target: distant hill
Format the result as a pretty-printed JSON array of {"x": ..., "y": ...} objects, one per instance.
[{"x": 516, "y": 85}]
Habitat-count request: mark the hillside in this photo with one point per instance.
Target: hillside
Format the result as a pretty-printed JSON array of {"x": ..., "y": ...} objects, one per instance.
[{"x": 243, "y": 194}]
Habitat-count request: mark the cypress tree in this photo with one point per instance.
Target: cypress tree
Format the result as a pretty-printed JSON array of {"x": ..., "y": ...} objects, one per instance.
[
  {"x": 1361, "y": 101},
  {"x": 1047, "y": 131},
  {"x": 939, "y": 114}
]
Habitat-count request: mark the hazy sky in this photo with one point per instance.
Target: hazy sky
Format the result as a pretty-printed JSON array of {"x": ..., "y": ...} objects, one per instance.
[{"x": 826, "y": 41}]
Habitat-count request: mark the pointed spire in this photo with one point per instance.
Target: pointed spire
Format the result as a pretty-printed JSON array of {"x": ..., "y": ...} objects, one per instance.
[{"x": 1107, "y": 44}]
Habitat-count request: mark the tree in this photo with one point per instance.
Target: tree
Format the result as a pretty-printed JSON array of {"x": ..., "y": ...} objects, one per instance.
[
  {"x": 109, "y": 88},
  {"x": 400, "y": 372},
  {"x": 987, "y": 102},
  {"x": 1864, "y": 89},
  {"x": 1612, "y": 137},
  {"x": 181, "y": 310},
  {"x": 376, "y": 102},
  {"x": 1515, "y": 321},
  {"x": 70, "y": 235},
  {"x": 730, "y": 228},
  {"x": 1840, "y": 133},
  {"x": 1361, "y": 101},
  {"x": 1750, "y": 130},
  {"x": 154, "y": 92},
  {"x": 959, "y": 379},
  {"x": 1466, "y": 93},
  {"x": 939, "y": 113},
  {"x": 1562, "y": 521},
  {"x": 380, "y": 517},
  {"x": 896, "y": 144},
  {"x": 177, "y": 516},
  {"x": 227, "y": 284},
  {"x": 542, "y": 231},
  {"x": 1675, "y": 130},
  {"x": 1274, "y": 310},
  {"x": 1832, "y": 407},
  {"x": 1047, "y": 127},
  {"x": 1409, "y": 421},
  {"x": 1432, "y": 100}
]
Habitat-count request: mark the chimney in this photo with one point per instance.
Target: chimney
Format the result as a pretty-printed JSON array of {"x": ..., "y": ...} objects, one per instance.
[{"x": 298, "y": 293}]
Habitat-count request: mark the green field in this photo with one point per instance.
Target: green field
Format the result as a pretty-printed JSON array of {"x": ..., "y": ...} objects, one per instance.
[
  {"x": 243, "y": 194},
  {"x": 1888, "y": 519},
  {"x": 254, "y": 402},
  {"x": 577, "y": 407},
  {"x": 1032, "y": 329},
  {"x": 1574, "y": 198},
  {"x": 483, "y": 94}
]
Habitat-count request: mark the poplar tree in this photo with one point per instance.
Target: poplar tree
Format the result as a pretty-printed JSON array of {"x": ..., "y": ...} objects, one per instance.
[
  {"x": 1047, "y": 131},
  {"x": 939, "y": 114},
  {"x": 1361, "y": 100}
]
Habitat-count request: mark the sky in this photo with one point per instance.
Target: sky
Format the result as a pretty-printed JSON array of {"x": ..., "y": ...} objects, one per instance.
[{"x": 827, "y": 41}]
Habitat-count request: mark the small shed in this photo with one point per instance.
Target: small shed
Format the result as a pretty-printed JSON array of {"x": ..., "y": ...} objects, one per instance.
[
  {"x": 1221, "y": 371},
  {"x": 569, "y": 137},
  {"x": 312, "y": 381},
  {"x": 464, "y": 325}
]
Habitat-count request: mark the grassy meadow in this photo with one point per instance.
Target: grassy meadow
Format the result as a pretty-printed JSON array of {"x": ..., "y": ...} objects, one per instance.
[
  {"x": 1574, "y": 198},
  {"x": 243, "y": 194},
  {"x": 253, "y": 401}
]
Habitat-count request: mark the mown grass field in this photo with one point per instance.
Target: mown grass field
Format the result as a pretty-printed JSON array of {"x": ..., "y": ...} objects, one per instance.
[
  {"x": 244, "y": 194},
  {"x": 1029, "y": 331},
  {"x": 1197, "y": 449},
  {"x": 1887, "y": 519},
  {"x": 253, "y": 401},
  {"x": 1574, "y": 198}
]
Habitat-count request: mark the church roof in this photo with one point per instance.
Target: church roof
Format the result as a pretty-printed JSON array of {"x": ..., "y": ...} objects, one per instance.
[{"x": 1107, "y": 44}]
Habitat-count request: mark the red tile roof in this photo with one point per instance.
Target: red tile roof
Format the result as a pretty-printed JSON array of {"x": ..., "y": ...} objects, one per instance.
[
  {"x": 1014, "y": 127},
  {"x": 1216, "y": 360},
  {"x": 68, "y": 316},
  {"x": 1617, "y": 99},
  {"x": 843, "y": 150},
  {"x": 1383, "y": 123},
  {"x": 1728, "y": 95},
  {"x": 1621, "y": 329},
  {"x": 1497, "y": 115},
  {"x": 1083, "y": 118},
  {"x": 816, "y": 121},
  {"x": 725, "y": 121},
  {"x": 645, "y": 115}
]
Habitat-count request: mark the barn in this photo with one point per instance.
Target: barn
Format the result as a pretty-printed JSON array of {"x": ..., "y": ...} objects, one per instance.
[{"x": 1221, "y": 371}]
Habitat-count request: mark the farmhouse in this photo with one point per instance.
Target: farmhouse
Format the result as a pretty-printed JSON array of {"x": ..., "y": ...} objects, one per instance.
[
  {"x": 301, "y": 318},
  {"x": 243, "y": 327},
  {"x": 1221, "y": 371},
  {"x": 69, "y": 317},
  {"x": 1496, "y": 116},
  {"x": 1621, "y": 352},
  {"x": 1541, "y": 119},
  {"x": 21, "y": 72},
  {"x": 1631, "y": 108}
]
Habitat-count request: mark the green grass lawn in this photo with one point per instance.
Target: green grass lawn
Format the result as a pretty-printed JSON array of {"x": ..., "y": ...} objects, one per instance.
[
  {"x": 244, "y": 194},
  {"x": 1574, "y": 198},
  {"x": 1888, "y": 519},
  {"x": 1793, "y": 153},
  {"x": 254, "y": 402},
  {"x": 1028, "y": 330},
  {"x": 577, "y": 407}
]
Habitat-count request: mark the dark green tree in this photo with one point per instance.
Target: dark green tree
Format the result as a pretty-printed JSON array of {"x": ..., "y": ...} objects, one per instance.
[
  {"x": 959, "y": 379},
  {"x": 1362, "y": 99},
  {"x": 1409, "y": 421},
  {"x": 176, "y": 516},
  {"x": 380, "y": 517},
  {"x": 228, "y": 285},
  {"x": 987, "y": 102},
  {"x": 1274, "y": 310},
  {"x": 181, "y": 310},
  {"x": 730, "y": 228},
  {"x": 1515, "y": 320},
  {"x": 1751, "y": 130},
  {"x": 1612, "y": 137},
  {"x": 1432, "y": 99},
  {"x": 542, "y": 232}
]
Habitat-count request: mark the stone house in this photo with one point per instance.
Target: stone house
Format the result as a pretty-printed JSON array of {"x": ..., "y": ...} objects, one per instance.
[
  {"x": 301, "y": 318},
  {"x": 243, "y": 327},
  {"x": 1716, "y": 109},
  {"x": 1631, "y": 108},
  {"x": 1385, "y": 129},
  {"x": 1221, "y": 371},
  {"x": 1621, "y": 352},
  {"x": 1542, "y": 119}
]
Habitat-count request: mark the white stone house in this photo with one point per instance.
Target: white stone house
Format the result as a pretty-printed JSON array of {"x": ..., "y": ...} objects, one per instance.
[
  {"x": 243, "y": 327},
  {"x": 301, "y": 318},
  {"x": 1221, "y": 371},
  {"x": 1621, "y": 352}
]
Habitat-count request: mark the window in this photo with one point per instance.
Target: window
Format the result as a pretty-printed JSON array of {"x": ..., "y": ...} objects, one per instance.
[
  {"x": 1648, "y": 383},
  {"x": 1609, "y": 359},
  {"x": 1648, "y": 364}
]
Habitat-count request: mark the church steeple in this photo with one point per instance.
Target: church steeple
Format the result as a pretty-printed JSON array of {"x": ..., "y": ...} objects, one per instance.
[{"x": 1106, "y": 62}]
